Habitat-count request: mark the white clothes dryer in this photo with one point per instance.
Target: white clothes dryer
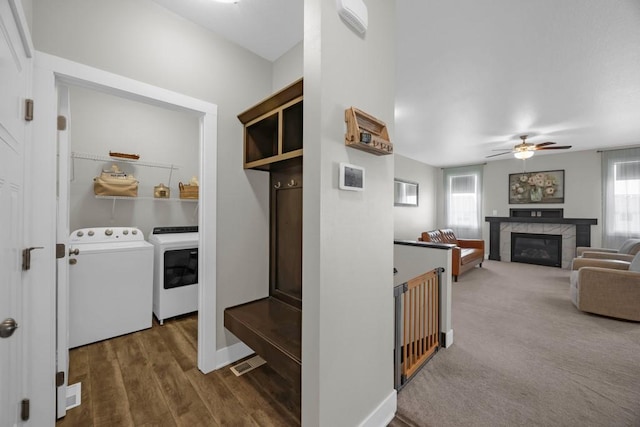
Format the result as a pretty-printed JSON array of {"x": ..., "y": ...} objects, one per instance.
[
  {"x": 110, "y": 283},
  {"x": 175, "y": 273}
]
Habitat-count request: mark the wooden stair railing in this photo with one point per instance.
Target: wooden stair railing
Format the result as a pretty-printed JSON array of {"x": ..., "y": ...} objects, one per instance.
[{"x": 417, "y": 324}]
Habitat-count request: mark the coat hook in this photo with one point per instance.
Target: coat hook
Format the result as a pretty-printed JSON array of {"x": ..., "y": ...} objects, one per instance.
[
  {"x": 277, "y": 185},
  {"x": 292, "y": 183}
]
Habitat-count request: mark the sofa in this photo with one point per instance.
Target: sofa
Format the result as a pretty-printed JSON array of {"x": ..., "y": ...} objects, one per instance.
[
  {"x": 607, "y": 287},
  {"x": 466, "y": 254}
]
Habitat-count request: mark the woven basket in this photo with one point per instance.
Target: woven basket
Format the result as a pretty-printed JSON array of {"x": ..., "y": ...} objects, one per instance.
[{"x": 188, "y": 191}]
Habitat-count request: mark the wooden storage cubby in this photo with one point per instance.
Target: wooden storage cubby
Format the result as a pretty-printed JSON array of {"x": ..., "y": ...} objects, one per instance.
[
  {"x": 366, "y": 133},
  {"x": 273, "y": 128},
  {"x": 261, "y": 139},
  {"x": 292, "y": 127}
]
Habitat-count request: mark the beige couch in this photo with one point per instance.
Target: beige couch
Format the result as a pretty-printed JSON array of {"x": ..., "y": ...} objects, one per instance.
[
  {"x": 607, "y": 287},
  {"x": 466, "y": 254}
]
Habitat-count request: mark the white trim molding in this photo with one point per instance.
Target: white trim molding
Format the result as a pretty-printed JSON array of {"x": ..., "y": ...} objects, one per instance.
[
  {"x": 49, "y": 71},
  {"x": 23, "y": 27},
  {"x": 448, "y": 338},
  {"x": 384, "y": 412},
  {"x": 227, "y": 355}
]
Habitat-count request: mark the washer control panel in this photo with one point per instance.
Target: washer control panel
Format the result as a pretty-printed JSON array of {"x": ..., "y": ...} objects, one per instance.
[{"x": 106, "y": 234}]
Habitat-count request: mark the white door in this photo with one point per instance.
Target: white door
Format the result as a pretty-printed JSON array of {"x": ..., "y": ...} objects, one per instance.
[
  {"x": 15, "y": 74},
  {"x": 62, "y": 264}
]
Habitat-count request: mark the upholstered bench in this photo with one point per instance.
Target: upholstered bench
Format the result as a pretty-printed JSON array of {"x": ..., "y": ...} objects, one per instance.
[{"x": 467, "y": 254}]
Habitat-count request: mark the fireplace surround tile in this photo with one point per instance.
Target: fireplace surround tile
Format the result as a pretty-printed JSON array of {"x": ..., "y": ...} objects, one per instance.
[
  {"x": 575, "y": 232},
  {"x": 568, "y": 232}
]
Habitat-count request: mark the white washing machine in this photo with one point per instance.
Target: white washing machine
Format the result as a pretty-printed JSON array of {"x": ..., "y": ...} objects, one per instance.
[
  {"x": 110, "y": 283},
  {"x": 175, "y": 272}
]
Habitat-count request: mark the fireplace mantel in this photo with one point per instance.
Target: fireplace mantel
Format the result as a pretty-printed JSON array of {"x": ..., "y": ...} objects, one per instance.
[
  {"x": 583, "y": 229},
  {"x": 533, "y": 219}
]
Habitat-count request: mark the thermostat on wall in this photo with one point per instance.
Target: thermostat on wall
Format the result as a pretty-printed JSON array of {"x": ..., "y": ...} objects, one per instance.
[{"x": 351, "y": 177}]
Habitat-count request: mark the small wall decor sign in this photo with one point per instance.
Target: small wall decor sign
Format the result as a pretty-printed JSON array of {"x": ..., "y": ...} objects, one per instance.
[{"x": 536, "y": 187}]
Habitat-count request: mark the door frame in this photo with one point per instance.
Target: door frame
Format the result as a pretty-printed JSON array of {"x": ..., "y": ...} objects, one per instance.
[
  {"x": 41, "y": 177},
  {"x": 62, "y": 267},
  {"x": 15, "y": 137}
]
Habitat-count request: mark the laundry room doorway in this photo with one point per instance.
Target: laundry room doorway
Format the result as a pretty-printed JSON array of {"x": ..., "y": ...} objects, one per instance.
[{"x": 61, "y": 84}]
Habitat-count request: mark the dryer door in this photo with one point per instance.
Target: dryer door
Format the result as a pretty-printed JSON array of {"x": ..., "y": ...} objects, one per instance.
[{"x": 180, "y": 268}]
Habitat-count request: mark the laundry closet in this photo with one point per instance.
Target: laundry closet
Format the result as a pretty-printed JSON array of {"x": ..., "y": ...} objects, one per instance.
[{"x": 132, "y": 253}]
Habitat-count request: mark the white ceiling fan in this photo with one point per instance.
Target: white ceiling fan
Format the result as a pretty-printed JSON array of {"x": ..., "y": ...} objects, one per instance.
[{"x": 525, "y": 149}]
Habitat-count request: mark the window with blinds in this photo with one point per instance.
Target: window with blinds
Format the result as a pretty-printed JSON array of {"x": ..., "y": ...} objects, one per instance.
[
  {"x": 621, "y": 196},
  {"x": 463, "y": 200},
  {"x": 626, "y": 189}
]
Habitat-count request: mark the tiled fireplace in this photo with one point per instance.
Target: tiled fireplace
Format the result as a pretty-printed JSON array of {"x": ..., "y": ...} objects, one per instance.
[
  {"x": 566, "y": 231},
  {"x": 573, "y": 231},
  {"x": 537, "y": 248}
]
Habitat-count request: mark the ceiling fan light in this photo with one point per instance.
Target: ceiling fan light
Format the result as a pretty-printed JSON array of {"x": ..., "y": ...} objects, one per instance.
[{"x": 526, "y": 154}]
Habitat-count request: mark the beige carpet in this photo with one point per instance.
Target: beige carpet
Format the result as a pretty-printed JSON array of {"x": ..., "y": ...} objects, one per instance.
[{"x": 524, "y": 355}]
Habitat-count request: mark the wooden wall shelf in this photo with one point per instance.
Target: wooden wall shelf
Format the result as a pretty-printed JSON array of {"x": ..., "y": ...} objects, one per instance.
[{"x": 366, "y": 133}]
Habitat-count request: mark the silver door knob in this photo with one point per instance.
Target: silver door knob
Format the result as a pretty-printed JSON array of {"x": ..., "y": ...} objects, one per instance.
[
  {"x": 8, "y": 327},
  {"x": 75, "y": 251}
]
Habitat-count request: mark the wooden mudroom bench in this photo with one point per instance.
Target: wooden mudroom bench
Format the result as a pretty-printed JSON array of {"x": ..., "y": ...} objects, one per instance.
[
  {"x": 272, "y": 326},
  {"x": 272, "y": 329}
]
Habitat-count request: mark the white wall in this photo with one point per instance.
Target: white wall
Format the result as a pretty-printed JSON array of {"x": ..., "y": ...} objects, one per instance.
[
  {"x": 141, "y": 40},
  {"x": 288, "y": 68},
  {"x": 410, "y": 222},
  {"x": 582, "y": 189},
  {"x": 101, "y": 123},
  {"x": 347, "y": 336}
]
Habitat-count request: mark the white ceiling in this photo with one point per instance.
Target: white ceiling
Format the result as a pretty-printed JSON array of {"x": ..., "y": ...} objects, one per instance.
[
  {"x": 473, "y": 75},
  {"x": 268, "y": 28}
]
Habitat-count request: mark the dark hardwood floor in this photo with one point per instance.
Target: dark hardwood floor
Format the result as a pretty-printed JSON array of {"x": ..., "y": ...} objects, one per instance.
[{"x": 150, "y": 378}]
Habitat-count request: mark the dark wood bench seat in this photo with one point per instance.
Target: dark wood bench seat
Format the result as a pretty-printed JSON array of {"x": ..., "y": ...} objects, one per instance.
[{"x": 273, "y": 329}]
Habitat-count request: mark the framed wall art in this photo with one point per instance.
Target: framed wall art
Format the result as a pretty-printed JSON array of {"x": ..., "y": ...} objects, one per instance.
[{"x": 536, "y": 187}]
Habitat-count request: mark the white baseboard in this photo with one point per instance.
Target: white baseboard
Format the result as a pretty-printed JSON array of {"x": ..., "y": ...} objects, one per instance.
[
  {"x": 227, "y": 355},
  {"x": 384, "y": 413},
  {"x": 448, "y": 338},
  {"x": 380, "y": 417}
]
